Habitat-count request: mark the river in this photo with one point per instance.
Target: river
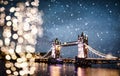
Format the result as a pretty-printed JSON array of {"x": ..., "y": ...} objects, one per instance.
[{"x": 43, "y": 69}]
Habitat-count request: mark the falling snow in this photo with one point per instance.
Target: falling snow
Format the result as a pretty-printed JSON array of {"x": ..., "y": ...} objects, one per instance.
[{"x": 68, "y": 18}]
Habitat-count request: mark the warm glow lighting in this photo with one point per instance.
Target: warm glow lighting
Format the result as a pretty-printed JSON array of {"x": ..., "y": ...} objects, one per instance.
[
  {"x": 7, "y": 41},
  {"x": 9, "y": 23},
  {"x": 34, "y": 30},
  {"x": 13, "y": 68},
  {"x": 20, "y": 40},
  {"x": 2, "y": 9},
  {"x": 1, "y": 43},
  {"x": 31, "y": 72},
  {"x": 12, "y": 9},
  {"x": 19, "y": 60},
  {"x": 28, "y": 55},
  {"x": 33, "y": 68},
  {"x": 18, "y": 48},
  {"x": 5, "y": 2},
  {"x": 8, "y": 57},
  {"x": 17, "y": 65},
  {"x": 26, "y": 27},
  {"x": 15, "y": 28},
  {"x": 7, "y": 32},
  {"x": 7, "y": 65},
  {"x": 15, "y": 73},
  {"x": 15, "y": 36},
  {"x": 14, "y": 57},
  {"x": 15, "y": 20},
  {"x": 22, "y": 72},
  {"x": 33, "y": 11},
  {"x": 24, "y": 64},
  {"x": 24, "y": 59},
  {"x": 27, "y": 3},
  {"x": 30, "y": 49},
  {"x": 2, "y": 15},
  {"x": 17, "y": 9},
  {"x": 20, "y": 32},
  {"x": 55, "y": 71},
  {"x": 8, "y": 17},
  {"x": 27, "y": 36},
  {"x": 11, "y": 51},
  {"x": 21, "y": 25},
  {"x": 27, "y": 20},
  {"x": 2, "y": 22},
  {"x": 8, "y": 71},
  {"x": 16, "y": 14}
]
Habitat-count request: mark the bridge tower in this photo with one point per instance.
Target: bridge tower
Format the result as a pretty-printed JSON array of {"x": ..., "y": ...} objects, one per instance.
[
  {"x": 82, "y": 49},
  {"x": 56, "y": 47}
]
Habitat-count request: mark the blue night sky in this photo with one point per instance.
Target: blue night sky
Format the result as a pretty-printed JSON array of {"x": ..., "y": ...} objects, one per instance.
[{"x": 65, "y": 19}]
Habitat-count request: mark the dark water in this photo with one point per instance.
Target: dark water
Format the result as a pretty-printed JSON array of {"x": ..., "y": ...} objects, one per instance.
[
  {"x": 69, "y": 70},
  {"x": 43, "y": 69}
]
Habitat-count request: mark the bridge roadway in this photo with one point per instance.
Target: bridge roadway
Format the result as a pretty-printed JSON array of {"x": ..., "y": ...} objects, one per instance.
[{"x": 84, "y": 61}]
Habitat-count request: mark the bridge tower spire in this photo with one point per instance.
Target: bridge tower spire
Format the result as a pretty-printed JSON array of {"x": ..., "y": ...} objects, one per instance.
[{"x": 82, "y": 49}]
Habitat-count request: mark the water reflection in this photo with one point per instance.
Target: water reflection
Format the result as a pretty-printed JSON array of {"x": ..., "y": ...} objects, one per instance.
[
  {"x": 81, "y": 71},
  {"x": 69, "y": 70},
  {"x": 55, "y": 70}
]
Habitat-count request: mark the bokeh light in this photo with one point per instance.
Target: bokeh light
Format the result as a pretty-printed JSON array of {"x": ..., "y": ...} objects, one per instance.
[{"x": 20, "y": 22}]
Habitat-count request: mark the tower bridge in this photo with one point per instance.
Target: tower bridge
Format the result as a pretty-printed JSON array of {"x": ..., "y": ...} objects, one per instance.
[{"x": 53, "y": 55}]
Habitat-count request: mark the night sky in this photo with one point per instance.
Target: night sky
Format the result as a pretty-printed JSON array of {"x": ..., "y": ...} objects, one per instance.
[{"x": 65, "y": 19}]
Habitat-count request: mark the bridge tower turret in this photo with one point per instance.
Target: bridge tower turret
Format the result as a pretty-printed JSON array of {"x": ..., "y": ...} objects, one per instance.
[
  {"x": 53, "y": 50},
  {"x": 56, "y": 47},
  {"x": 82, "y": 49}
]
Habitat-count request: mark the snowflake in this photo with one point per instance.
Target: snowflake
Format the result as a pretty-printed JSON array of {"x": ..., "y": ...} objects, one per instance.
[
  {"x": 62, "y": 21},
  {"x": 106, "y": 5},
  {"x": 71, "y": 14},
  {"x": 58, "y": 18},
  {"x": 55, "y": 12},
  {"x": 77, "y": 29},
  {"x": 64, "y": 11},
  {"x": 93, "y": 4},
  {"x": 98, "y": 35},
  {"x": 49, "y": 5},
  {"x": 56, "y": 29},
  {"x": 71, "y": 32},
  {"x": 68, "y": 27},
  {"x": 62, "y": 6},
  {"x": 86, "y": 23},
  {"x": 92, "y": 12},
  {"x": 116, "y": 4},
  {"x": 107, "y": 32},
  {"x": 110, "y": 11},
  {"x": 78, "y": 19},
  {"x": 67, "y": 5},
  {"x": 80, "y": 5},
  {"x": 101, "y": 32}
]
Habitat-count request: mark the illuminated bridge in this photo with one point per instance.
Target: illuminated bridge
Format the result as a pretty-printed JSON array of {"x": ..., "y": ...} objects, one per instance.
[{"x": 53, "y": 55}]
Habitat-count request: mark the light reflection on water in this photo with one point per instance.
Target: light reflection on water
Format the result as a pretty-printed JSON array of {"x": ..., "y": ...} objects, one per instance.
[{"x": 43, "y": 69}]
